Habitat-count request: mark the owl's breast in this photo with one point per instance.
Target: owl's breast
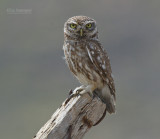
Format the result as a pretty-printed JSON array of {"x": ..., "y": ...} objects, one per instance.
[
  {"x": 75, "y": 55},
  {"x": 80, "y": 64}
]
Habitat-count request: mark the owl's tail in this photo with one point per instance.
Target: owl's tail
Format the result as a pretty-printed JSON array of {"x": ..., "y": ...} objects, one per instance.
[{"x": 105, "y": 95}]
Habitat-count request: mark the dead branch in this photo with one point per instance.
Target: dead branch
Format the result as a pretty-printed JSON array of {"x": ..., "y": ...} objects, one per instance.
[{"x": 74, "y": 118}]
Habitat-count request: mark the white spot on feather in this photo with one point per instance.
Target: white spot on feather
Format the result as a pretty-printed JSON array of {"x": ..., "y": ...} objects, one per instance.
[
  {"x": 107, "y": 80},
  {"x": 87, "y": 68},
  {"x": 92, "y": 52},
  {"x": 103, "y": 66},
  {"x": 98, "y": 58},
  {"x": 80, "y": 64}
]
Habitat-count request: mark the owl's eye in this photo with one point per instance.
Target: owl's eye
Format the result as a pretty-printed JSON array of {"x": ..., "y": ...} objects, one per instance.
[
  {"x": 89, "y": 25},
  {"x": 73, "y": 25}
]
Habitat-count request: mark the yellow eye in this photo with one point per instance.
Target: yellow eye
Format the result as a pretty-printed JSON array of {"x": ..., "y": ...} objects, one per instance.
[
  {"x": 89, "y": 25},
  {"x": 73, "y": 25}
]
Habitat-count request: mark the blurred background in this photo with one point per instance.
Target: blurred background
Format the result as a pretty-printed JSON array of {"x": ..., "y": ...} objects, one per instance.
[{"x": 34, "y": 79}]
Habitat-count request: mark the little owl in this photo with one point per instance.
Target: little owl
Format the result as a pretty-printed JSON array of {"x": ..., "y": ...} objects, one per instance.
[{"x": 87, "y": 59}]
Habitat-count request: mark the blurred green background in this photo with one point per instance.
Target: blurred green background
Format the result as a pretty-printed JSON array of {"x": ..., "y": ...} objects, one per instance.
[{"x": 34, "y": 79}]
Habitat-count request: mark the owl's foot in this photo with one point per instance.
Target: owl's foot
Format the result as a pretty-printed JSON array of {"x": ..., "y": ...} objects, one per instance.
[
  {"x": 78, "y": 90},
  {"x": 82, "y": 90},
  {"x": 75, "y": 93}
]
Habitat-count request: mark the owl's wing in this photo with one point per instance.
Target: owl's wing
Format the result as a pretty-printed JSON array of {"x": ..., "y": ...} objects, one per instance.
[{"x": 100, "y": 60}]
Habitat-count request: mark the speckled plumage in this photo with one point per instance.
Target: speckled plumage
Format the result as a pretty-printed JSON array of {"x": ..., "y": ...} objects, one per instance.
[{"x": 87, "y": 59}]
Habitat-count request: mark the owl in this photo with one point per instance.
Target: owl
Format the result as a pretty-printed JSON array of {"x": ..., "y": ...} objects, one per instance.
[{"x": 87, "y": 59}]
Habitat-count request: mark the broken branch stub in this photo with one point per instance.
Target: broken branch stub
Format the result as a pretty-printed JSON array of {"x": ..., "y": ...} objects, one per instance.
[{"x": 74, "y": 118}]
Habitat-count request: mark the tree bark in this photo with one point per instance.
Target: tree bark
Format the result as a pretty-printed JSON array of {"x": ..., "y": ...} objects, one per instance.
[{"x": 74, "y": 118}]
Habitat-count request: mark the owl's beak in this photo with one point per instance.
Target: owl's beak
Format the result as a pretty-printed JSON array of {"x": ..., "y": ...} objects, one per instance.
[{"x": 81, "y": 32}]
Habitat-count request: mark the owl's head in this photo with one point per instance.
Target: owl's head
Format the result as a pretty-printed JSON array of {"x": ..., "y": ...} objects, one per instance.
[{"x": 81, "y": 27}]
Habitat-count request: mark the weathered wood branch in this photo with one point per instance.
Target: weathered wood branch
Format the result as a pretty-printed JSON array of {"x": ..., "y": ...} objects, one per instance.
[{"x": 74, "y": 118}]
